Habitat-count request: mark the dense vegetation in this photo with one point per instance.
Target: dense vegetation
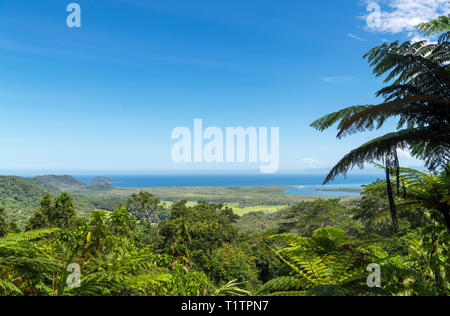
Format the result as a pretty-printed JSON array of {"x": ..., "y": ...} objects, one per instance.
[
  {"x": 21, "y": 196},
  {"x": 321, "y": 247},
  {"x": 142, "y": 246}
]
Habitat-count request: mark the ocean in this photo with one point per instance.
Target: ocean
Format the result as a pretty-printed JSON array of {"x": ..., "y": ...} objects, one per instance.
[{"x": 301, "y": 184}]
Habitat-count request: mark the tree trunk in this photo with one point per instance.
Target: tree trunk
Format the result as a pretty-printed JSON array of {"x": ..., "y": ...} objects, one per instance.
[
  {"x": 147, "y": 217},
  {"x": 392, "y": 205}
]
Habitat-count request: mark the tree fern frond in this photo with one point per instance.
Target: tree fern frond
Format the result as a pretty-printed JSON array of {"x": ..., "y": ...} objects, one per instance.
[
  {"x": 339, "y": 117},
  {"x": 377, "y": 149},
  {"x": 366, "y": 119},
  {"x": 442, "y": 24},
  {"x": 283, "y": 284},
  {"x": 8, "y": 288}
]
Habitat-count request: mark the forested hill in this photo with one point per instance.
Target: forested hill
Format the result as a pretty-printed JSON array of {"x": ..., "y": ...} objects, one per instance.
[
  {"x": 97, "y": 180},
  {"x": 64, "y": 183},
  {"x": 21, "y": 196},
  {"x": 73, "y": 185}
]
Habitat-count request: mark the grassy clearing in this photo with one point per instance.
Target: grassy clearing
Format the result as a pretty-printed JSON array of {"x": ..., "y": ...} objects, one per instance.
[
  {"x": 242, "y": 200},
  {"x": 241, "y": 210}
]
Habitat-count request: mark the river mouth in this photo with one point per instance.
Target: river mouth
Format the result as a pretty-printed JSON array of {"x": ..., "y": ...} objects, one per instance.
[{"x": 338, "y": 190}]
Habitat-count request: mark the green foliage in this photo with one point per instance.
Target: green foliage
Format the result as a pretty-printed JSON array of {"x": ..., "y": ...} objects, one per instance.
[
  {"x": 231, "y": 262},
  {"x": 199, "y": 251},
  {"x": 3, "y": 224},
  {"x": 428, "y": 191},
  {"x": 145, "y": 205},
  {"x": 124, "y": 271},
  {"x": 231, "y": 289},
  {"x": 192, "y": 233},
  {"x": 306, "y": 217},
  {"x": 326, "y": 263},
  {"x": 29, "y": 236},
  {"x": 13, "y": 228},
  {"x": 25, "y": 269},
  {"x": 185, "y": 283},
  {"x": 284, "y": 284},
  {"x": 59, "y": 213},
  {"x": 21, "y": 196},
  {"x": 442, "y": 24},
  {"x": 374, "y": 211},
  {"x": 122, "y": 222},
  {"x": 429, "y": 258},
  {"x": 72, "y": 185},
  {"x": 261, "y": 222},
  {"x": 268, "y": 264}
]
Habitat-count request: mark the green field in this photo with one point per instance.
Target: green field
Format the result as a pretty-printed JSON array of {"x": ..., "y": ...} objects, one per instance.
[
  {"x": 242, "y": 200},
  {"x": 244, "y": 196}
]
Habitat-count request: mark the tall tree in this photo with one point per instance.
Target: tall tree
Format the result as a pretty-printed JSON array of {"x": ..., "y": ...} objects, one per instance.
[
  {"x": 58, "y": 213},
  {"x": 63, "y": 211},
  {"x": 144, "y": 205}
]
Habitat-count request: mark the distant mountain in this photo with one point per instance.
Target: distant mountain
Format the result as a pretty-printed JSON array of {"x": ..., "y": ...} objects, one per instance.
[
  {"x": 99, "y": 188},
  {"x": 73, "y": 185},
  {"x": 64, "y": 183},
  {"x": 102, "y": 180}
]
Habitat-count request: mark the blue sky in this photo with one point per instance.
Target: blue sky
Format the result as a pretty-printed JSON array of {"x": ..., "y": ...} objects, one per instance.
[{"x": 105, "y": 97}]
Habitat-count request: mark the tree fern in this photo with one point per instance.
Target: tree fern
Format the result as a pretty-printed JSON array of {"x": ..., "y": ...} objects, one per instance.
[
  {"x": 418, "y": 97},
  {"x": 324, "y": 261}
]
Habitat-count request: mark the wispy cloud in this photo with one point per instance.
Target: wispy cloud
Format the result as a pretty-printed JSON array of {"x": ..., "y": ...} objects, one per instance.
[
  {"x": 338, "y": 79},
  {"x": 418, "y": 38},
  {"x": 356, "y": 37},
  {"x": 404, "y": 15},
  {"x": 403, "y": 154}
]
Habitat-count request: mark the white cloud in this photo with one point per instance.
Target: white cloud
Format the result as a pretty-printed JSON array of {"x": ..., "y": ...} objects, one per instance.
[
  {"x": 406, "y": 160},
  {"x": 404, "y": 15},
  {"x": 336, "y": 79},
  {"x": 311, "y": 163},
  {"x": 403, "y": 154},
  {"x": 419, "y": 38},
  {"x": 356, "y": 37}
]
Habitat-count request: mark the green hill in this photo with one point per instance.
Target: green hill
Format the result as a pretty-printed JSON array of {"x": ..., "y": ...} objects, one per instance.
[
  {"x": 21, "y": 196},
  {"x": 64, "y": 183},
  {"x": 47, "y": 187},
  {"x": 73, "y": 185},
  {"x": 97, "y": 180}
]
